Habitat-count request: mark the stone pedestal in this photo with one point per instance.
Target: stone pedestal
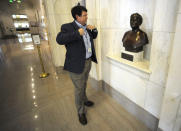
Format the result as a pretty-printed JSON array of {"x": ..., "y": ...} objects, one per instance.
[{"x": 132, "y": 56}]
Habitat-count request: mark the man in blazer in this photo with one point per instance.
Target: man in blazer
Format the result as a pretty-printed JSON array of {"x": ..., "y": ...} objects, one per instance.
[{"x": 78, "y": 40}]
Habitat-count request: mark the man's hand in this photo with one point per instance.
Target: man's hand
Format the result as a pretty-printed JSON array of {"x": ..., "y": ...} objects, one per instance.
[
  {"x": 81, "y": 31},
  {"x": 90, "y": 27}
]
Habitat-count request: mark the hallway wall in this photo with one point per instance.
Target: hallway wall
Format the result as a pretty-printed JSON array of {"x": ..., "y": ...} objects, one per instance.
[
  {"x": 7, "y": 22},
  {"x": 58, "y": 12},
  {"x": 56, "y": 50},
  {"x": 114, "y": 17},
  {"x": 143, "y": 87}
]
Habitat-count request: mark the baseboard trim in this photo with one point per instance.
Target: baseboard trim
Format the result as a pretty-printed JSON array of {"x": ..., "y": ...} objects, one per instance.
[
  {"x": 159, "y": 129},
  {"x": 148, "y": 119}
]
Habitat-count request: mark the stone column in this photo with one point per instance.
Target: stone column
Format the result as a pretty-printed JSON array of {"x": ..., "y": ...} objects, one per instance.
[
  {"x": 170, "y": 117},
  {"x": 58, "y": 12},
  {"x": 162, "y": 42},
  {"x": 93, "y": 7},
  {"x": 163, "y": 34},
  {"x": 56, "y": 50}
]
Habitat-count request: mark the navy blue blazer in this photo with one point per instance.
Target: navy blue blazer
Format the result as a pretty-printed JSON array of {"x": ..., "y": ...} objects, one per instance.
[{"x": 74, "y": 44}]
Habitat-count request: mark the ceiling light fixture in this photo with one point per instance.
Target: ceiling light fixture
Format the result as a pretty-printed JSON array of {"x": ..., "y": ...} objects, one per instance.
[{"x": 18, "y": 1}]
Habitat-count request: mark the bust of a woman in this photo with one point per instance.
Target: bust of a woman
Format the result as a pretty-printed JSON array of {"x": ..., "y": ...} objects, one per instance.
[{"x": 135, "y": 39}]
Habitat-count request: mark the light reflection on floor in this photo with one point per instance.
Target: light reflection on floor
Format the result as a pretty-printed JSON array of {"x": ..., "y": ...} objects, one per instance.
[
  {"x": 28, "y": 103},
  {"x": 27, "y": 46},
  {"x": 24, "y": 38}
]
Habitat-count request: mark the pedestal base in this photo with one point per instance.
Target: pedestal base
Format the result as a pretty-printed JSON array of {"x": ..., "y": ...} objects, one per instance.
[{"x": 132, "y": 56}]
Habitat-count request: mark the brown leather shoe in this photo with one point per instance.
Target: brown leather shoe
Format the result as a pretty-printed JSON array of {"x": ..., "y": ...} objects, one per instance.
[
  {"x": 89, "y": 103},
  {"x": 82, "y": 119}
]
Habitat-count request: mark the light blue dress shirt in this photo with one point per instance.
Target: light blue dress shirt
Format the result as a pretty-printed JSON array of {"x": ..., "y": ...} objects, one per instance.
[{"x": 86, "y": 39}]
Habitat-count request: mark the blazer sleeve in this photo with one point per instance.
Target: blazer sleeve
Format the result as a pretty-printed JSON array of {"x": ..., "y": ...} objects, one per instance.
[
  {"x": 94, "y": 33},
  {"x": 66, "y": 35}
]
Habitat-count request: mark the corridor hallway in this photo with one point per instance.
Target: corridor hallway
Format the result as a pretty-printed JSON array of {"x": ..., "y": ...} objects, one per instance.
[{"x": 28, "y": 103}]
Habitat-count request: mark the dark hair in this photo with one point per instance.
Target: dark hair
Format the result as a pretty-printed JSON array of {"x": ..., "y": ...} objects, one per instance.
[
  {"x": 77, "y": 10},
  {"x": 138, "y": 16}
]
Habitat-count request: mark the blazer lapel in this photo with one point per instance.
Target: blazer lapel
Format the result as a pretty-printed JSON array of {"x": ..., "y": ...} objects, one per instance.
[{"x": 76, "y": 27}]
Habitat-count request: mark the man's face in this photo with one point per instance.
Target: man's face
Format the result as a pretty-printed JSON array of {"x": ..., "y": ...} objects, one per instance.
[{"x": 83, "y": 18}]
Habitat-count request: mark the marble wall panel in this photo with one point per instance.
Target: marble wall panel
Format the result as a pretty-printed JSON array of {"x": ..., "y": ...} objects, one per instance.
[
  {"x": 62, "y": 19},
  {"x": 177, "y": 125},
  {"x": 92, "y": 22},
  {"x": 58, "y": 52},
  {"x": 49, "y": 5},
  {"x": 109, "y": 13},
  {"x": 91, "y": 6},
  {"x": 94, "y": 72},
  {"x": 179, "y": 10},
  {"x": 164, "y": 19},
  {"x": 51, "y": 24},
  {"x": 153, "y": 99},
  {"x": 128, "y": 7},
  {"x": 98, "y": 9},
  {"x": 160, "y": 53},
  {"x": 111, "y": 41},
  {"x": 170, "y": 112},
  {"x": 63, "y": 7},
  {"x": 148, "y": 14},
  {"x": 132, "y": 86},
  {"x": 75, "y": 2},
  {"x": 145, "y": 8}
]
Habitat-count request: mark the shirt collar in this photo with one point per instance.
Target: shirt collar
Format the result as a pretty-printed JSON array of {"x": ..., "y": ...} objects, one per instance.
[{"x": 81, "y": 26}]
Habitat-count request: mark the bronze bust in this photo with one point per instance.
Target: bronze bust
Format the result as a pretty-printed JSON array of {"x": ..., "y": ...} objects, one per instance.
[{"x": 135, "y": 39}]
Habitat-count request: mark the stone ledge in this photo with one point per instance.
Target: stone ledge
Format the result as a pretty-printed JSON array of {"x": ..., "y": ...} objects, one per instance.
[
  {"x": 141, "y": 66},
  {"x": 140, "y": 69}
]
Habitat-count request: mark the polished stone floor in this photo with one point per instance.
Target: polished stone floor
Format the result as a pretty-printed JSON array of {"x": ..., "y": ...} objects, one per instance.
[{"x": 28, "y": 103}]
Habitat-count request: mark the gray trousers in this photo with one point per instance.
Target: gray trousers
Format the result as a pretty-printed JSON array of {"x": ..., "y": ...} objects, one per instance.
[{"x": 80, "y": 83}]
